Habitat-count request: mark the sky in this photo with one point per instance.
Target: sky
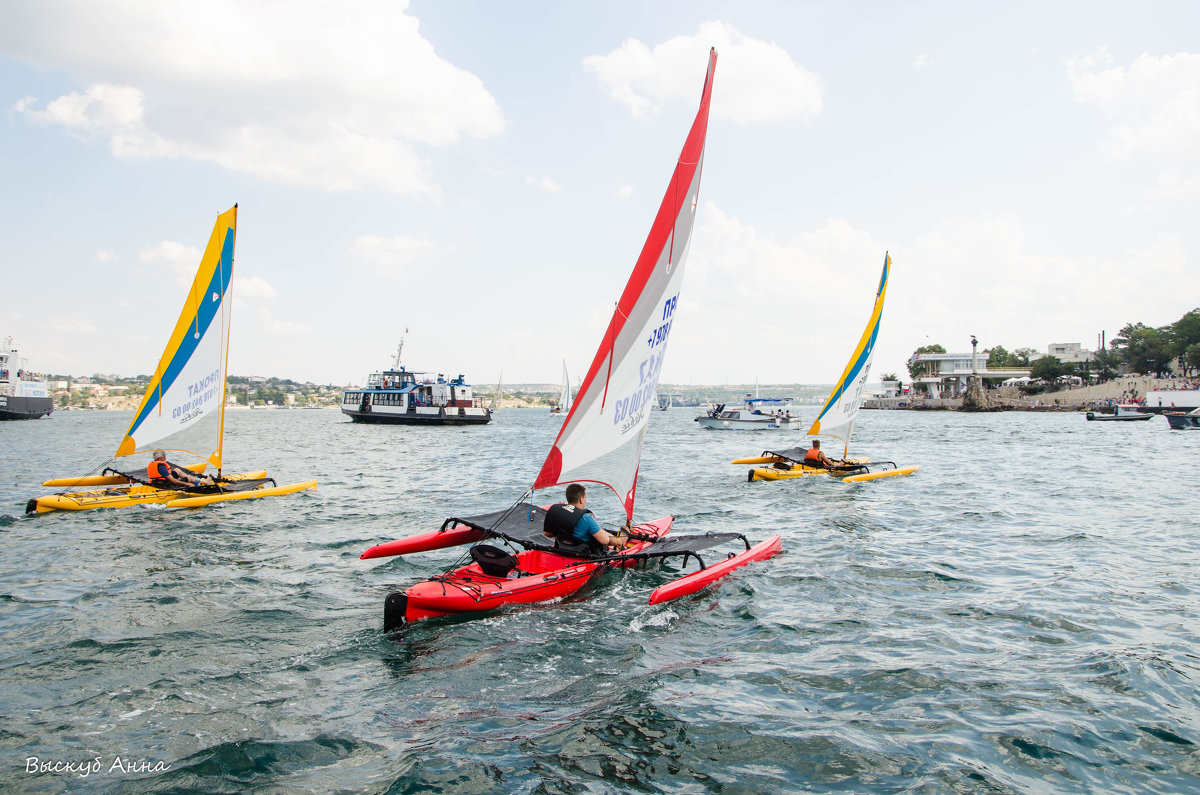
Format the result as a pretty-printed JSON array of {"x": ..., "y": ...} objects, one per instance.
[{"x": 482, "y": 175}]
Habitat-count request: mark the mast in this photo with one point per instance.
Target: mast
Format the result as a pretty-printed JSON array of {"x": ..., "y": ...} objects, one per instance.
[{"x": 226, "y": 320}]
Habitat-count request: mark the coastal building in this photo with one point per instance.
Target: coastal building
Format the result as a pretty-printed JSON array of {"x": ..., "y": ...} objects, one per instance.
[
  {"x": 944, "y": 375},
  {"x": 1069, "y": 352}
]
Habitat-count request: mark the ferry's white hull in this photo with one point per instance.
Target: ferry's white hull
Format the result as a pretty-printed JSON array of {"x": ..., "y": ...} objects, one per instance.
[{"x": 761, "y": 424}]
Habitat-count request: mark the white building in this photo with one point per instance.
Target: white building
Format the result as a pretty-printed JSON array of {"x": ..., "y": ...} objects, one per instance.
[
  {"x": 944, "y": 375},
  {"x": 1069, "y": 352}
]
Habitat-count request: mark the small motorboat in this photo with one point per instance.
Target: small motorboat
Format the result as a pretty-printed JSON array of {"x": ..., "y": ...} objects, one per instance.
[
  {"x": 1183, "y": 422},
  {"x": 1124, "y": 412},
  {"x": 758, "y": 414}
]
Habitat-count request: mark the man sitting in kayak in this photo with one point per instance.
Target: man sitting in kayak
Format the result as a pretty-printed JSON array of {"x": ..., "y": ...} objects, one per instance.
[
  {"x": 815, "y": 458},
  {"x": 164, "y": 475},
  {"x": 573, "y": 527}
]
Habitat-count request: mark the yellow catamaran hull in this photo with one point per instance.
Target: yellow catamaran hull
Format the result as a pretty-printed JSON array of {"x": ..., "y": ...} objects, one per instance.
[
  {"x": 798, "y": 471},
  {"x": 139, "y": 494}
]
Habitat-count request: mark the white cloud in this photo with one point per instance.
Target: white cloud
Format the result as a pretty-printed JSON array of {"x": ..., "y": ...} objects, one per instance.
[
  {"x": 1173, "y": 186},
  {"x": 396, "y": 257},
  {"x": 759, "y": 81},
  {"x": 106, "y": 256},
  {"x": 811, "y": 295},
  {"x": 921, "y": 61},
  {"x": 1154, "y": 103},
  {"x": 273, "y": 325},
  {"x": 71, "y": 326},
  {"x": 324, "y": 100},
  {"x": 180, "y": 259},
  {"x": 545, "y": 183},
  {"x": 625, "y": 190},
  {"x": 254, "y": 287}
]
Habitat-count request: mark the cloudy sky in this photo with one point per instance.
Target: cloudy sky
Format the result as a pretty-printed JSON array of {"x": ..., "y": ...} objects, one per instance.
[{"x": 484, "y": 174}]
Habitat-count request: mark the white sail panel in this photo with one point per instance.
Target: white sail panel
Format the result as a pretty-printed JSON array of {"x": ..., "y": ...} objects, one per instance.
[
  {"x": 183, "y": 408},
  {"x": 601, "y": 439},
  {"x": 837, "y": 416},
  {"x": 564, "y": 399}
]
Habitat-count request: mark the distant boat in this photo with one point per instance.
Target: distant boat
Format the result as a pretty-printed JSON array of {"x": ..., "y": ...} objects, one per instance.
[
  {"x": 1183, "y": 422},
  {"x": 1125, "y": 412},
  {"x": 756, "y": 414},
  {"x": 399, "y": 396},
  {"x": 183, "y": 409},
  {"x": 496, "y": 395},
  {"x": 836, "y": 418},
  {"x": 564, "y": 397},
  {"x": 24, "y": 394}
]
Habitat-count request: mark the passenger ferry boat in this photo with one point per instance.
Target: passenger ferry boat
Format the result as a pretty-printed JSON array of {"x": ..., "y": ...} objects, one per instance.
[
  {"x": 24, "y": 395},
  {"x": 407, "y": 397}
]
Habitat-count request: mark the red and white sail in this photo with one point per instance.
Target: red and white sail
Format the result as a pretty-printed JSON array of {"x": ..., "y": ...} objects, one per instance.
[{"x": 601, "y": 439}]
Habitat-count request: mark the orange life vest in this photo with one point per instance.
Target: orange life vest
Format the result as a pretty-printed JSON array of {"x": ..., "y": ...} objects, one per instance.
[
  {"x": 157, "y": 470},
  {"x": 812, "y": 455}
]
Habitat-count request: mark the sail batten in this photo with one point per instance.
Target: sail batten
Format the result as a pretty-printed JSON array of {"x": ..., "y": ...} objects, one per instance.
[
  {"x": 837, "y": 416},
  {"x": 601, "y": 439},
  {"x": 183, "y": 407}
]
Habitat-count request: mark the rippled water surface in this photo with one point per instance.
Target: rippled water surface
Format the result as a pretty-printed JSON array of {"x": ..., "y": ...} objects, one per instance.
[{"x": 1021, "y": 615}]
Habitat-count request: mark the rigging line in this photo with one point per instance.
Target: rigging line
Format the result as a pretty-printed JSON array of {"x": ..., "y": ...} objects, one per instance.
[{"x": 86, "y": 475}]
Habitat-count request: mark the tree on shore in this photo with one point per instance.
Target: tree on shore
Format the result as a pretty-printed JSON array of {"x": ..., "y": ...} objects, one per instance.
[
  {"x": 1049, "y": 368},
  {"x": 917, "y": 369},
  {"x": 1000, "y": 357}
]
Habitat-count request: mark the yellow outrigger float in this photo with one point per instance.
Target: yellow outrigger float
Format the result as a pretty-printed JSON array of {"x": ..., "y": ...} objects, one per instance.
[
  {"x": 838, "y": 416},
  {"x": 183, "y": 409}
]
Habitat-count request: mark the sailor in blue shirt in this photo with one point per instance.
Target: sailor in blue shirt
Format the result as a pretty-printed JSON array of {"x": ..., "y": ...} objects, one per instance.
[{"x": 574, "y": 520}]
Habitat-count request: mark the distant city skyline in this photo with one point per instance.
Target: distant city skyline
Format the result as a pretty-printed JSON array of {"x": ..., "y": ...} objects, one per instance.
[{"x": 485, "y": 175}]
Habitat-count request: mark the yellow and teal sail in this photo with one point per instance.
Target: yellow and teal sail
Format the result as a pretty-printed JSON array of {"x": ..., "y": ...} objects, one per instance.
[
  {"x": 184, "y": 405},
  {"x": 836, "y": 418}
]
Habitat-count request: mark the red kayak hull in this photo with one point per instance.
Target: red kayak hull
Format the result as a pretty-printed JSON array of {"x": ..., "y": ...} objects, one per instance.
[
  {"x": 468, "y": 590},
  {"x": 715, "y": 571}
]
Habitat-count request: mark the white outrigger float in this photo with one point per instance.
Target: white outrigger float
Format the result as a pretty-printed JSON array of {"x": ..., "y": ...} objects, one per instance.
[{"x": 183, "y": 409}]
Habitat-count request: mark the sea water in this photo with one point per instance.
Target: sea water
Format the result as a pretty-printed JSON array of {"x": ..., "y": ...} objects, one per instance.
[{"x": 1021, "y": 615}]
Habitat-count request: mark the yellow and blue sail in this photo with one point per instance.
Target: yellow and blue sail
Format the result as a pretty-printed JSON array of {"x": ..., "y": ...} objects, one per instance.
[
  {"x": 183, "y": 408},
  {"x": 843, "y": 404}
]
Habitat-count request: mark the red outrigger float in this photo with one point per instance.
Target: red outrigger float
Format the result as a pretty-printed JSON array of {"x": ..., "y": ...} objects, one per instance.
[{"x": 600, "y": 442}]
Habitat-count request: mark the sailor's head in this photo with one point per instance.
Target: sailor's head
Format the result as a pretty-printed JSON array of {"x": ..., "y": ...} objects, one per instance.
[
  {"x": 816, "y": 444},
  {"x": 159, "y": 455},
  {"x": 575, "y": 493}
]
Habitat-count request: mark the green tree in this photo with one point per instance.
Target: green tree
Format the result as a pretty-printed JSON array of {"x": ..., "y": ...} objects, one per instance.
[
  {"x": 1147, "y": 350},
  {"x": 997, "y": 357},
  {"x": 917, "y": 369},
  {"x": 1020, "y": 357},
  {"x": 1047, "y": 368},
  {"x": 1106, "y": 363},
  {"x": 1185, "y": 333},
  {"x": 1191, "y": 356}
]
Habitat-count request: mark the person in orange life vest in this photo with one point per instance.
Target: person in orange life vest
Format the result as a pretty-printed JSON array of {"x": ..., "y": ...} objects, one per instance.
[
  {"x": 165, "y": 476},
  {"x": 576, "y": 520},
  {"x": 815, "y": 458}
]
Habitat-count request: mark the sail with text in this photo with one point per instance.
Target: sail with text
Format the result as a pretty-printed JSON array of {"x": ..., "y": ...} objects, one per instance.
[
  {"x": 836, "y": 418},
  {"x": 601, "y": 439},
  {"x": 184, "y": 405}
]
